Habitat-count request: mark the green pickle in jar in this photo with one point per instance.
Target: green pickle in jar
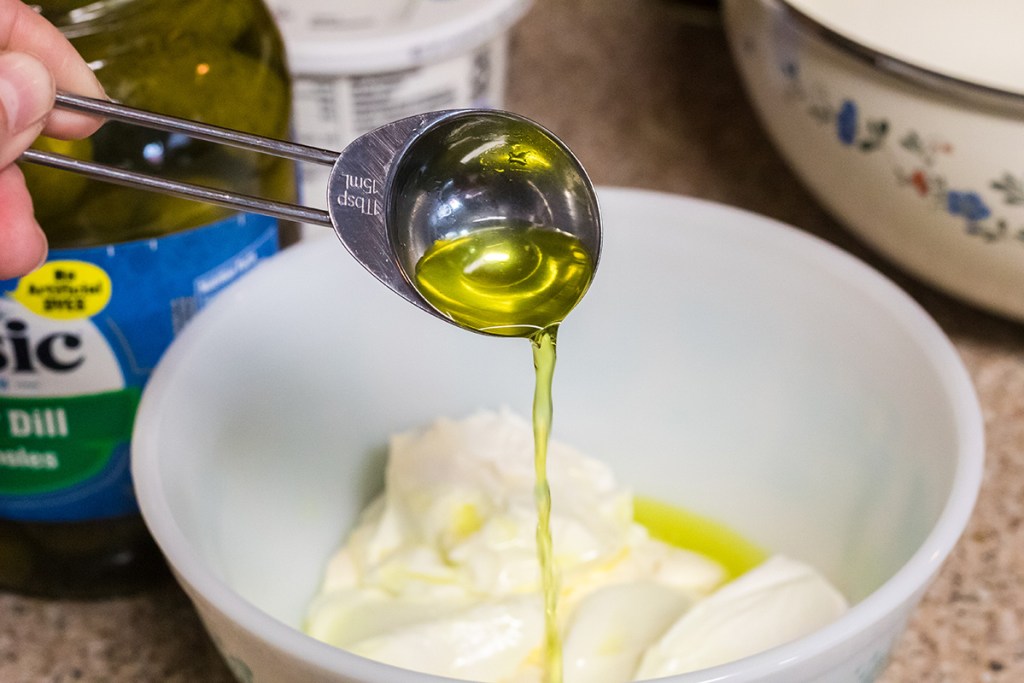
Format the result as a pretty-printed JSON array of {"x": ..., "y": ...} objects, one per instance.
[{"x": 127, "y": 269}]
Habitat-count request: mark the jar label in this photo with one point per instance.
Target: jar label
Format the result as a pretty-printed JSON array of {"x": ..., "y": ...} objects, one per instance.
[{"x": 79, "y": 337}]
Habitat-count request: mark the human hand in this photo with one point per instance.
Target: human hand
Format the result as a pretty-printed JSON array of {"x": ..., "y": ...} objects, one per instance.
[{"x": 35, "y": 60}]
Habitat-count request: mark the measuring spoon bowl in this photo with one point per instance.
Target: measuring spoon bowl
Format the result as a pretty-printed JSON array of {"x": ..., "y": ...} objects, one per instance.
[{"x": 396, "y": 191}]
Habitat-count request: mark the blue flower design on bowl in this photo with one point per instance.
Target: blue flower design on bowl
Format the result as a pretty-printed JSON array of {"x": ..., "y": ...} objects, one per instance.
[
  {"x": 846, "y": 122},
  {"x": 967, "y": 204}
]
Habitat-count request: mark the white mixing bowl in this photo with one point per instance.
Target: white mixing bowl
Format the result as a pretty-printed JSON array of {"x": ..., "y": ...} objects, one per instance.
[
  {"x": 906, "y": 120},
  {"x": 721, "y": 362}
]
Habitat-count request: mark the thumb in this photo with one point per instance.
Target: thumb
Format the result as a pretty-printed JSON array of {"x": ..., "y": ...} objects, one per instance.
[{"x": 27, "y": 90}]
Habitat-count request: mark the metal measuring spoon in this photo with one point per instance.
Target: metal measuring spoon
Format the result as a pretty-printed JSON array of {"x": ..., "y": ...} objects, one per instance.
[{"x": 396, "y": 190}]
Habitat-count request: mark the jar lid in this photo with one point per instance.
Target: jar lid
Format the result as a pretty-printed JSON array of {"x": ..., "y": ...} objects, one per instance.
[{"x": 328, "y": 37}]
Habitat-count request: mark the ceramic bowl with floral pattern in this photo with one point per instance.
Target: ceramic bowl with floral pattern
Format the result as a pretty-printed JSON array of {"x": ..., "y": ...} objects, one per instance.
[{"x": 906, "y": 120}]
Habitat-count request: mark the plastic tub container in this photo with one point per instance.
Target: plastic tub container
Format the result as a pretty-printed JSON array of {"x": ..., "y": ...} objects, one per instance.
[{"x": 359, "y": 64}]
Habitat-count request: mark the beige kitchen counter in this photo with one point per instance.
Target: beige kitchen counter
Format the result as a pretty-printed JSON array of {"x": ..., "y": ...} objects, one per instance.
[{"x": 645, "y": 92}]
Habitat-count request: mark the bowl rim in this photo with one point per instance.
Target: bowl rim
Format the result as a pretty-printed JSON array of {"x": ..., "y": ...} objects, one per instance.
[
  {"x": 899, "y": 591},
  {"x": 1008, "y": 101}
]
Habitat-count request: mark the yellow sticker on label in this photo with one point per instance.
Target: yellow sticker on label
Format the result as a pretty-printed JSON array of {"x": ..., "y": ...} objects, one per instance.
[{"x": 64, "y": 290}]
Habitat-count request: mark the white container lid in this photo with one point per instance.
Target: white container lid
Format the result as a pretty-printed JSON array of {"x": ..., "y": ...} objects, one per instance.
[
  {"x": 343, "y": 37},
  {"x": 977, "y": 41}
]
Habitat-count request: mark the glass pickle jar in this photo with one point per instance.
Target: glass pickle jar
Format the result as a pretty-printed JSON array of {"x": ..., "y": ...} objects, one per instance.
[{"x": 126, "y": 270}]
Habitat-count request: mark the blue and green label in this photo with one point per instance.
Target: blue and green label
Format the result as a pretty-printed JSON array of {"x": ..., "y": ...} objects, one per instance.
[{"x": 79, "y": 337}]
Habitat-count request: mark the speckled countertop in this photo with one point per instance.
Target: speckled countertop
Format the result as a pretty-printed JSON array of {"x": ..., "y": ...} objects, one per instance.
[{"x": 645, "y": 92}]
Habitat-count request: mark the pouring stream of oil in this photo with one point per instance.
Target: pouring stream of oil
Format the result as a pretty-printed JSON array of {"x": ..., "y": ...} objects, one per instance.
[
  {"x": 517, "y": 282},
  {"x": 544, "y": 367}
]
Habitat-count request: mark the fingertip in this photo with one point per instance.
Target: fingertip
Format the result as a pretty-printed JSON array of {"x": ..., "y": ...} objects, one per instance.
[
  {"x": 70, "y": 125},
  {"x": 27, "y": 91},
  {"x": 24, "y": 244},
  {"x": 25, "y": 249},
  {"x": 42, "y": 247}
]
